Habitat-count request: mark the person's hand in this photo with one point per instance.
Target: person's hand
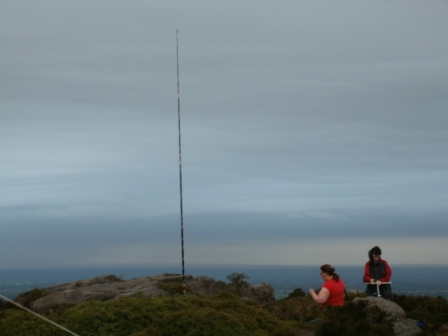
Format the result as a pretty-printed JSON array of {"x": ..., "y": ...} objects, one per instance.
[
  {"x": 372, "y": 281},
  {"x": 311, "y": 291},
  {"x": 379, "y": 282}
]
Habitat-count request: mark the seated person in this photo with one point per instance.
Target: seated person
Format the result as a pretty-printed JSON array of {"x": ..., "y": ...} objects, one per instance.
[{"x": 332, "y": 291}]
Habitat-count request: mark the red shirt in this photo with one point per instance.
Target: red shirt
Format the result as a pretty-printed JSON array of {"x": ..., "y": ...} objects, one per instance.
[{"x": 337, "y": 292}]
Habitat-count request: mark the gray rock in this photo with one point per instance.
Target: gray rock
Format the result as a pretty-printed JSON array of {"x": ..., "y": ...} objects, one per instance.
[
  {"x": 407, "y": 327},
  {"x": 393, "y": 311},
  {"x": 109, "y": 287},
  {"x": 402, "y": 326}
]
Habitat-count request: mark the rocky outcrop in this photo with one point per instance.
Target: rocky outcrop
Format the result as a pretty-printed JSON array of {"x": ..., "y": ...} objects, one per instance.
[
  {"x": 393, "y": 311},
  {"x": 402, "y": 326},
  {"x": 109, "y": 287}
]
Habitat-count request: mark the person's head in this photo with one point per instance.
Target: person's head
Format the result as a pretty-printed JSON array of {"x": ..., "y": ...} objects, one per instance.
[
  {"x": 375, "y": 254},
  {"x": 327, "y": 272}
]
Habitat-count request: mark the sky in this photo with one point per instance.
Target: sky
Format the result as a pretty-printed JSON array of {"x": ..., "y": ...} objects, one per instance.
[{"x": 311, "y": 131}]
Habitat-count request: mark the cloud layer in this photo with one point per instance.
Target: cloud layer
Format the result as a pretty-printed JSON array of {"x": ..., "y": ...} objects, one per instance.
[{"x": 305, "y": 127}]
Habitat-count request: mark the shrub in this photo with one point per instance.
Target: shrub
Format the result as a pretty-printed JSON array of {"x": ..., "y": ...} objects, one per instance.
[
  {"x": 296, "y": 308},
  {"x": 15, "y": 322},
  {"x": 236, "y": 278},
  {"x": 298, "y": 292},
  {"x": 172, "y": 287},
  {"x": 433, "y": 311},
  {"x": 27, "y": 298},
  {"x": 238, "y": 281},
  {"x": 354, "y": 319},
  {"x": 224, "y": 314}
]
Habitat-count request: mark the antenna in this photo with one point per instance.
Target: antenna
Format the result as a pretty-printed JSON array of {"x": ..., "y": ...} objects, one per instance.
[{"x": 184, "y": 287}]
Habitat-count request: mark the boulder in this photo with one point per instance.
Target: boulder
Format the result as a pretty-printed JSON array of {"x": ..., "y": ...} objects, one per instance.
[
  {"x": 402, "y": 326},
  {"x": 406, "y": 327},
  {"x": 392, "y": 310}
]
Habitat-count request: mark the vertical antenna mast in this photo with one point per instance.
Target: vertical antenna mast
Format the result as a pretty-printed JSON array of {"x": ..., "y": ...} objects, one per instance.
[{"x": 184, "y": 287}]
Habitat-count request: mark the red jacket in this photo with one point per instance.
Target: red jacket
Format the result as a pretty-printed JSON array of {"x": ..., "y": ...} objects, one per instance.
[{"x": 380, "y": 271}]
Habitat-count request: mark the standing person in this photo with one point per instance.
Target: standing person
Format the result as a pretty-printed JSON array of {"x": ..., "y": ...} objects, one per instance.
[
  {"x": 377, "y": 270},
  {"x": 333, "y": 290}
]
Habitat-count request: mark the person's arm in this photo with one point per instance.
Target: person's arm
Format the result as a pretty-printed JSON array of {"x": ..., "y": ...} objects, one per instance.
[
  {"x": 367, "y": 278},
  {"x": 388, "y": 272},
  {"x": 322, "y": 297}
]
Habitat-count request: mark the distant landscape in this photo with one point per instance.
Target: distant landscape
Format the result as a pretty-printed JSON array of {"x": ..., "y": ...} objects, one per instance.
[{"x": 418, "y": 280}]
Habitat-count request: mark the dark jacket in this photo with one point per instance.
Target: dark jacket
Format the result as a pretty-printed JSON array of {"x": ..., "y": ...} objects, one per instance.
[{"x": 378, "y": 271}]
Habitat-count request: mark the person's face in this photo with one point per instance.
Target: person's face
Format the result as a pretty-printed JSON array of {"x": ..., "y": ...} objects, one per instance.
[
  {"x": 324, "y": 276},
  {"x": 376, "y": 258}
]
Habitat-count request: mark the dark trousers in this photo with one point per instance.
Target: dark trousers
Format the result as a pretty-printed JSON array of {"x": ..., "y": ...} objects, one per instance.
[{"x": 385, "y": 291}]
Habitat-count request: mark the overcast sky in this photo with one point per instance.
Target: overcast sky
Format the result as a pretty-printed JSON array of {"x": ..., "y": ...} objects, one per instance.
[{"x": 311, "y": 131}]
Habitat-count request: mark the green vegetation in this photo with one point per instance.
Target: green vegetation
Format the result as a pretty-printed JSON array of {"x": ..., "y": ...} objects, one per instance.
[
  {"x": 224, "y": 314},
  {"x": 31, "y": 296},
  {"x": 433, "y": 311},
  {"x": 355, "y": 319}
]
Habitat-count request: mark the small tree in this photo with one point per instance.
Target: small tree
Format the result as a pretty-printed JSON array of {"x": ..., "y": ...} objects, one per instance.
[
  {"x": 238, "y": 281},
  {"x": 237, "y": 278},
  {"x": 298, "y": 292}
]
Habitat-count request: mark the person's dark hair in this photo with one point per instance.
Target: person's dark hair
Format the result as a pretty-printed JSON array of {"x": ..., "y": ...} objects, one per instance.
[
  {"x": 374, "y": 250},
  {"x": 330, "y": 271}
]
